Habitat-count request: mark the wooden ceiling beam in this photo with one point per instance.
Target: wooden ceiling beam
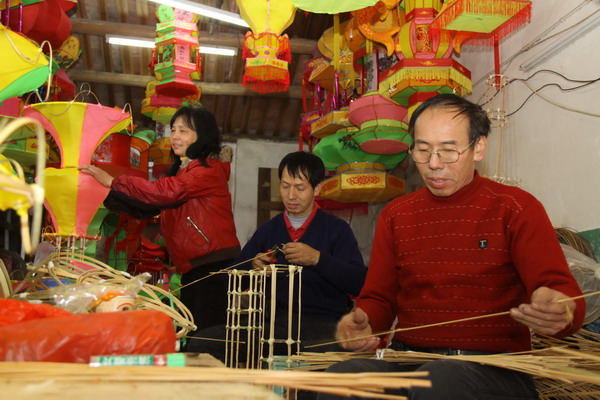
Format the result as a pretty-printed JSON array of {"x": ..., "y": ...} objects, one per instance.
[
  {"x": 208, "y": 88},
  {"x": 97, "y": 27}
]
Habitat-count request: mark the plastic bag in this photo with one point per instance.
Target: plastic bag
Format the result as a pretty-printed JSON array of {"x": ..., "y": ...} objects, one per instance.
[{"x": 76, "y": 338}]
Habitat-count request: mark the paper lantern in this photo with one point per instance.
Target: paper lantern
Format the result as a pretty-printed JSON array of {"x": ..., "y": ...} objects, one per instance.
[
  {"x": 23, "y": 68},
  {"x": 362, "y": 182},
  {"x": 408, "y": 76},
  {"x": 332, "y": 6},
  {"x": 340, "y": 148},
  {"x": 42, "y": 20},
  {"x": 176, "y": 60},
  {"x": 267, "y": 54},
  {"x": 382, "y": 127},
  {"x": 161, "y": 108},
  {"x": 330, "y": 123},
  {"x": 489, "y": 20},
  {"x": 335, "y": 70},
  {"x": 160, "y": 154},
  {"x": 72, "y": 198}
]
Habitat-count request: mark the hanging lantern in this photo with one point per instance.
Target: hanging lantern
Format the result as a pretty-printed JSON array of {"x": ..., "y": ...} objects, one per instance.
[
  {"x": 161, "y": 108},
  {"x": 382, "y": 127},
  {"x": 425, "y": 64},
  {"x": 488, "y": 20},
  {"x": 266, "y": 52},
  {"x": 335, "y": 69},
  {"x": 24, "y": 67},
  {"x": 176, "y": 60},
  {"x": 72, "y": 198},
  {"x": 41, "y": 20},
  {"x": 330, "y": 123},
  {"x": 362, "y": 182},
  {"x": 332, "y": 6},
  {"x": 340, "y": 148}
]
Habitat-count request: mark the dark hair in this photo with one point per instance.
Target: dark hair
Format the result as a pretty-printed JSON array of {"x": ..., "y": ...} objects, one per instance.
[
  {"x": 303, "y": 163},
  {"x": 208, "y": 143},
  {"x": 479, "y": 123}
]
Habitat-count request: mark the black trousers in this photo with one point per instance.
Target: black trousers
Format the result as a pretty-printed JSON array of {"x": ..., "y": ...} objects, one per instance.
[
  {"x": 450, "y": 380},
  {"x": 207, "y": 299}
]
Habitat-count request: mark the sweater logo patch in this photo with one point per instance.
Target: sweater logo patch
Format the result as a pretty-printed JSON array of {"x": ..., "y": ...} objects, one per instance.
[{"x": 483, "y": 243}]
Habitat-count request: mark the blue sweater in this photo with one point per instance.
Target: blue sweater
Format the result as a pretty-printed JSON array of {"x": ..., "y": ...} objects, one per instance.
[{"x": 340, "y": 272}]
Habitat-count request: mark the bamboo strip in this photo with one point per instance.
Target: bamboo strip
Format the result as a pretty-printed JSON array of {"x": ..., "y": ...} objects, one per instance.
[{"x": 364, "y": 385}]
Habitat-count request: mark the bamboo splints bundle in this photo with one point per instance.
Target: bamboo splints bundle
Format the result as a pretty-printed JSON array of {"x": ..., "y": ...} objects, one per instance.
[
  {"x": 80, "y": 268},
  {"x": 365, "y": 385},
  {"x": 574, "y": 360}
]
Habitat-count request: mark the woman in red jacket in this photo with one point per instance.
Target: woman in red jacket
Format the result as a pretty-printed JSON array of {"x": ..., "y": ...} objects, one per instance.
[{"x": 195, "y": 210}]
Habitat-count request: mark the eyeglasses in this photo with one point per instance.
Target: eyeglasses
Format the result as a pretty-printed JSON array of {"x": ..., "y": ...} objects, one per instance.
[{"x": 447, "y": 156}]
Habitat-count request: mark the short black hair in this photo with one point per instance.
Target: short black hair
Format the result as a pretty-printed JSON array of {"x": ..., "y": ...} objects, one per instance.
[
  {"x": 303, "y": 163},
  {"x": 208, "y": 143},
  {"x": 479, "y": 122}
]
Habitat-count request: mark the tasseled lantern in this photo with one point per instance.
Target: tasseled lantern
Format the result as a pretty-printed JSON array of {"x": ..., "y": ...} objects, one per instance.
[{"x": 266, "y": 52}]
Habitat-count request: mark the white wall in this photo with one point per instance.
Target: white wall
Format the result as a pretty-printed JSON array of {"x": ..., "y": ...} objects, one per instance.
[
  {"x": 555, "y": 153},
  {"x": 249, "y": 156}
]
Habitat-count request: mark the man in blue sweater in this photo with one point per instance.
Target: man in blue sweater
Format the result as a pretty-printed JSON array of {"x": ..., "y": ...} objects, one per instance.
[{"x": 324, "y": 245}]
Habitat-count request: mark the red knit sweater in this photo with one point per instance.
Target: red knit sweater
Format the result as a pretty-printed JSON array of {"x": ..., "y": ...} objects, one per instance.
[{"x": 483, "y": 250}]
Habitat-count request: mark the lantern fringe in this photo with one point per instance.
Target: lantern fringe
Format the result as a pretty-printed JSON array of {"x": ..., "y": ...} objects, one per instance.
[
  {"x": 266, "y": 79},
  {"x": 518, "y": 10},
  {"x": 455, "y": 8},
  {"x": 425, "y": 74}
]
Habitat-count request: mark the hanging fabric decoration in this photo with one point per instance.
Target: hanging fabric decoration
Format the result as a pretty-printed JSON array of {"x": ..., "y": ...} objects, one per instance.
[
  {"x": 23, "y": 68},
  {"x": 267, "y": 54},
  {"x": 72, "y": 198}
]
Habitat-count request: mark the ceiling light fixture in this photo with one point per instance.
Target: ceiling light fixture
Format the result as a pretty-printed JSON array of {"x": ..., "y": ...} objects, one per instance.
[
  {"x": 139, "y": 42},
  {"x": 201, "y": 9}
]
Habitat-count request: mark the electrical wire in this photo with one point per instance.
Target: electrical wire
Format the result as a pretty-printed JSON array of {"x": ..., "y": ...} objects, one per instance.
[
  {"x": 536, "y": 92},
  {"x": 586, "y": 81}
]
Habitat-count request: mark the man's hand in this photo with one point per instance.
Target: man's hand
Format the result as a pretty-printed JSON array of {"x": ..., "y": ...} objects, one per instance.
[
  {"x": 103, "y": 177},
  {"x": 356, "y": 325},
  {"x": 545, "y": 314},
  {"x": 261, "y": 260},
  {"x": 300, "y": 254}
]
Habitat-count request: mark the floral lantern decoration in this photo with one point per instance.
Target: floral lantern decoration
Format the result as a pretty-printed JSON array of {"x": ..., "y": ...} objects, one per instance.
[{"x": 266, "y": 52}]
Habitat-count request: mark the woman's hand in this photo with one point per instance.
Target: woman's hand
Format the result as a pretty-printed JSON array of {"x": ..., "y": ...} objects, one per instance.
[{"x": 103, "y": 177}]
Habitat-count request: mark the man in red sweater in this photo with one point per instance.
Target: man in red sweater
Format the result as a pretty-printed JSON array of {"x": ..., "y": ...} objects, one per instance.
[{"x": 462, "y": 246}]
